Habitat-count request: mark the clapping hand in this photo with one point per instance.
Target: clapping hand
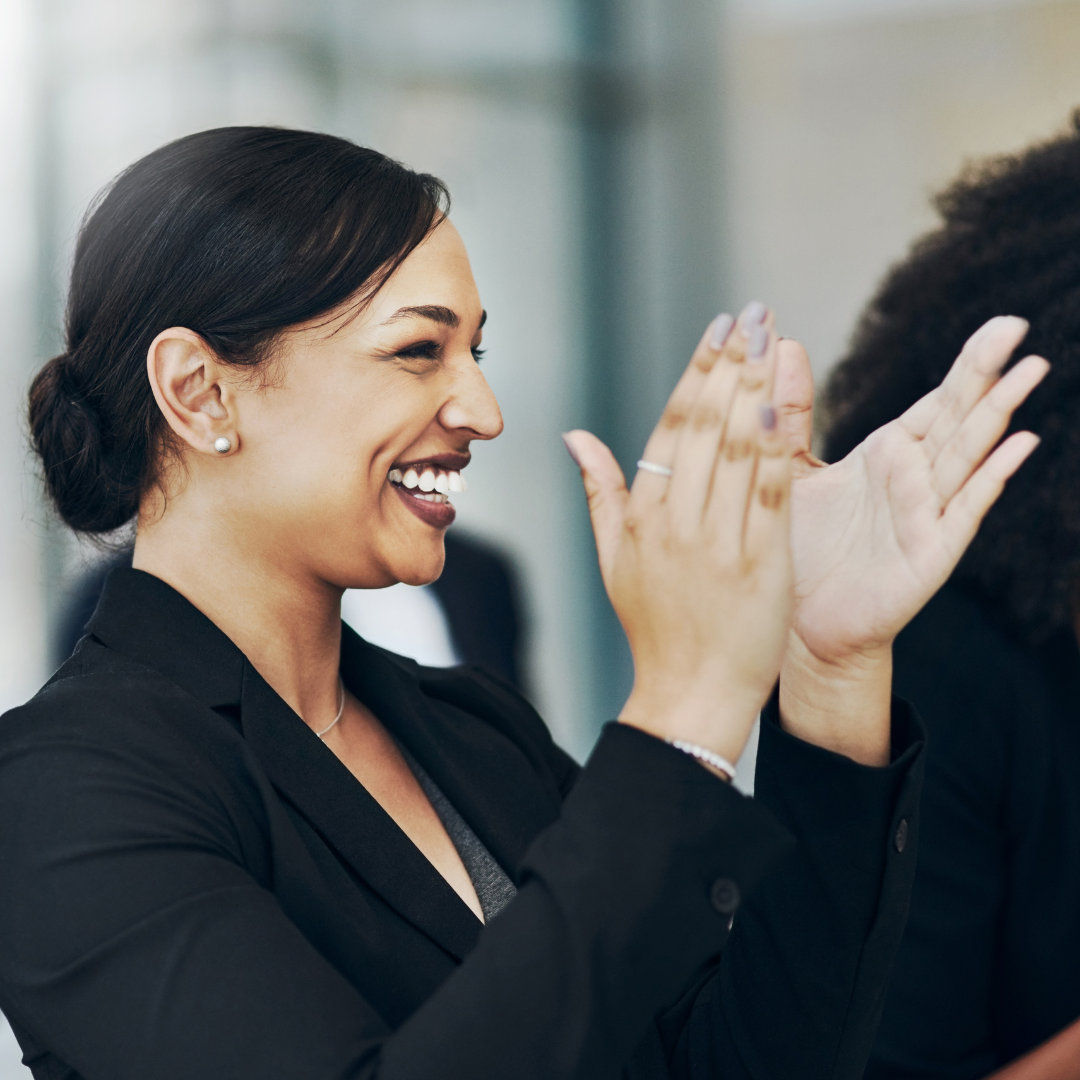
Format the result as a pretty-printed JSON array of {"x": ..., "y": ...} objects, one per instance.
[
  {"x": 698, "y": 564},
  {"x": 876, "y": 534},
  {"x": 695, "y": 556}
]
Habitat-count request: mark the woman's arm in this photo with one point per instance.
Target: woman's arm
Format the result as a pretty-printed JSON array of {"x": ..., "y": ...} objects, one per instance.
[
  {"x": 873, "y": 538},
  {"x": 142, "y": 933},
  {"x": 695, "y": 554}
]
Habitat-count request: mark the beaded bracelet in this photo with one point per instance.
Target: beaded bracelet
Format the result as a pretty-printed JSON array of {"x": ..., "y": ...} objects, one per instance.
[{"x": 718, "y": 762}]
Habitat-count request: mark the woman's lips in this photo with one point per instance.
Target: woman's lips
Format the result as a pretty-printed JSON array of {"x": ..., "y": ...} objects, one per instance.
[
  {"x": 439, "y": 515},
  {"x": 426, "y": 486}
]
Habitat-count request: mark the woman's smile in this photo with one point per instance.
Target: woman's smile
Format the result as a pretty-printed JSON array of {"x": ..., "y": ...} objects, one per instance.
[{"x": 425, "y": 485}]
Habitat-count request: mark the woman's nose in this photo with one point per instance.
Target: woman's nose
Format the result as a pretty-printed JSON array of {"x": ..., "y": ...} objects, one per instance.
[{"x": 472, "y": 405}]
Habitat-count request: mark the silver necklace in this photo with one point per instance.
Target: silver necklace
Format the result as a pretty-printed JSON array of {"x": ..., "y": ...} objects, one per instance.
[{"x": 340, "y": 711}]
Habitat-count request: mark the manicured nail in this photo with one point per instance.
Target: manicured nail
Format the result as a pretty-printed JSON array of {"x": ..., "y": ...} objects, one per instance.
[
  {"x": 718, "y": 333},
  {"x": 757, "y": 343},
  {"x": 570, "y": 450},
  {"x": 753, "y": 314},
  {"x": 768, "y": 416}
]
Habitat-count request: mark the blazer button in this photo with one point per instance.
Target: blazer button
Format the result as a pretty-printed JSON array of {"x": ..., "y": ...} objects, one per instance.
[
  {"x": 900, "y": 839},
  {"x": 724, "y": 895}
]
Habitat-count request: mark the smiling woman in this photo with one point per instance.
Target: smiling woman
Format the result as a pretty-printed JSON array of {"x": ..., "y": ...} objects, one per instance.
[
  {"x": 353, "y": 396},
  {"x": 239, "y": 841}
]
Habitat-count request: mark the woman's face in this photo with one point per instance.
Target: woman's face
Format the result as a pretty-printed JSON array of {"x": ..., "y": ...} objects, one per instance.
[{"x": 359, "y": 418}]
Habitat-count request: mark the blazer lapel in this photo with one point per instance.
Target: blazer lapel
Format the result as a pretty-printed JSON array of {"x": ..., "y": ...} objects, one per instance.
[
  {"x": 491, "y": 783},
  {"x": 366, "y": 838},
  {"x": 486, "y": 777}
]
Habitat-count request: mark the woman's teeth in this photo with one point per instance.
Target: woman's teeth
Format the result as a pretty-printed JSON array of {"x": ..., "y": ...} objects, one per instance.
[{"x": 429, "y": 484}]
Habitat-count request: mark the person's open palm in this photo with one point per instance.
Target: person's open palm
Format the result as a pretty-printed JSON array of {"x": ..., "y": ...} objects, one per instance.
[{"x": 876, "y": 534}]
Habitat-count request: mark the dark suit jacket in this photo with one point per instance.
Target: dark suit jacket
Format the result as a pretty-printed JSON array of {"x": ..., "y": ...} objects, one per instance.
[
  {"x": 194, "y": 886},
  {"x": 990, "y": 961}
]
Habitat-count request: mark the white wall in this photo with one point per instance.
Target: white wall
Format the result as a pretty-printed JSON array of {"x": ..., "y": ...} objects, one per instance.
[
  {"x": 840, "y": 128},
  {"x": 22, "y": 629}
]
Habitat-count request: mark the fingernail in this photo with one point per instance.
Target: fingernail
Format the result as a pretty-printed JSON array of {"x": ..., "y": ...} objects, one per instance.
[
  {"x": 570, "y": 450},
  {"x": 721, "y": 328},
  {"x": 768, "y": 416},
  {"x": 753, "y": 314},
  {"x": 757, "y": 343}
]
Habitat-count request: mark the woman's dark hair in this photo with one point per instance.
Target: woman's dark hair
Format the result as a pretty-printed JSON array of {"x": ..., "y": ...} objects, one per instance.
[
  {"x": 235, "y": 233},
  {"x": 1010, "y": 244}
]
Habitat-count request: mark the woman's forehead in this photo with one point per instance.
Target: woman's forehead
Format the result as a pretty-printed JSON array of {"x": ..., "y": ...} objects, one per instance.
[{"x": 434, "y": 281}]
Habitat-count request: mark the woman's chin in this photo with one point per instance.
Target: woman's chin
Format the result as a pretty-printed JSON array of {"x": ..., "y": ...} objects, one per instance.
[{"x": 420, "y": 570}]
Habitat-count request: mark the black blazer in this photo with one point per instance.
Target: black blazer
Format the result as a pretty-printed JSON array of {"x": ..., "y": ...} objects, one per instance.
[
  {"x": 195, "y": 887},
  {"x": 988, "y": 967}
]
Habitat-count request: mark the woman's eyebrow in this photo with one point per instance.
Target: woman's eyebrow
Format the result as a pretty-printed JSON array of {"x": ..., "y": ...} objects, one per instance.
[{"x": 435, "y": 312}]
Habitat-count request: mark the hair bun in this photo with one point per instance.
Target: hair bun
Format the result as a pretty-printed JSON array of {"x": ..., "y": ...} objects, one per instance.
[{"x": 67, "y": 433}]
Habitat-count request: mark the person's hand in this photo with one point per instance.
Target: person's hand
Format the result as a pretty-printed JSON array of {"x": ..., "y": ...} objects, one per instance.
[
  {"x": 697, "y": 565},
  {"x": 876, "y": 534}
]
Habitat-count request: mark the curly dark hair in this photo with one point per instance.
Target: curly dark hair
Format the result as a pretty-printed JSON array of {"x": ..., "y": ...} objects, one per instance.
[{"x": 1010, "y": 244}]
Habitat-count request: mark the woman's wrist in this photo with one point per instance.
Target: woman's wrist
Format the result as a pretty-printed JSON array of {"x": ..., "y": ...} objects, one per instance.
[
  {"x": 717, "y": 764},
  {"x": 707, "y": 718},
  {"x": 842, "y": 706}
]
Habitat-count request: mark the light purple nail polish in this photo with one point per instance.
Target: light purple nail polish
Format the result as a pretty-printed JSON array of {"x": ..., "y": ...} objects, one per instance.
[
  {"x": 570, "y": 450},
  {"x": 721, "y": 328},
  {"x": 752, "y": 315},
  {"x": 757, "y": 343},
  {"x": 768, "y": 416}
]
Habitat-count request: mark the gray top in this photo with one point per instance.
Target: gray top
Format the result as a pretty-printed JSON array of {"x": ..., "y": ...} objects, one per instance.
[{"x": 493, "y": 887}]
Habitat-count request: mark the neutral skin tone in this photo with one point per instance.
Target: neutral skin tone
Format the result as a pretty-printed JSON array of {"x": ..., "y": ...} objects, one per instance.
[{"x": 714, "y": 596}]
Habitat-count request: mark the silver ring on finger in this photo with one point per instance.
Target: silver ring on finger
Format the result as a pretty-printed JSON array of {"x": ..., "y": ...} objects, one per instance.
[{"x": 654, "y": 468}]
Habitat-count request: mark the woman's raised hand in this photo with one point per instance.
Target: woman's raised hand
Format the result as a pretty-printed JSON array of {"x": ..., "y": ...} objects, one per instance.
[
  {"x": 876, "y": 534},
  {"x": 697, "y": 563}
]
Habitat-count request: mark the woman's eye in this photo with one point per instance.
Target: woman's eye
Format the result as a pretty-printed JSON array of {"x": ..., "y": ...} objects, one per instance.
[
  {"x": 431, "y": 350},
  {"x": 422, "y": 350}
]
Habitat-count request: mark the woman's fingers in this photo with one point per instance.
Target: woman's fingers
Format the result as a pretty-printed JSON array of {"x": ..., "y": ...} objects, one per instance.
[
  {"x": 984, "y": 424},
  {"x": 721, "y": 428},
  {"x": 965, "y": 511},
  {"x": 768, "y": 512},
  {"x": 725, "y": 504},
  {"x": 794, "y": 396},
  {"x": 935, "y": 417},
  {"x": 649, "y": 487},
  {"x": 605, "y": 489}
]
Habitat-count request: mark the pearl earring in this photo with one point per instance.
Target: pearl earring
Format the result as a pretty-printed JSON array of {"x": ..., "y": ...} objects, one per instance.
[{"x": 222, "y": 445}]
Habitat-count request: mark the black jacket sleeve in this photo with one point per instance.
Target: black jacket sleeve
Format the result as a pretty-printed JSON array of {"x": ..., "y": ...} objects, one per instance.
[
  {"x": 800, "y": 987},
  {"x": 140, "y": 937}
]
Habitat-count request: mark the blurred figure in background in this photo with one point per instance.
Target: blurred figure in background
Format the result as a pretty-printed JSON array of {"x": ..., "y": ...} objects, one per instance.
[{"x": 988, "y": 966}]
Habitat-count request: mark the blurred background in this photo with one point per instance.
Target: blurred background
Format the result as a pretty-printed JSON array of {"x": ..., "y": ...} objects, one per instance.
[{"x": 620, "y": 169}]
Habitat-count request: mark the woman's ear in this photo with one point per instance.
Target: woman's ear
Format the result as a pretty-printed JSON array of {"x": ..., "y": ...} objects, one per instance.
[{"x": 189, "y": 385}]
